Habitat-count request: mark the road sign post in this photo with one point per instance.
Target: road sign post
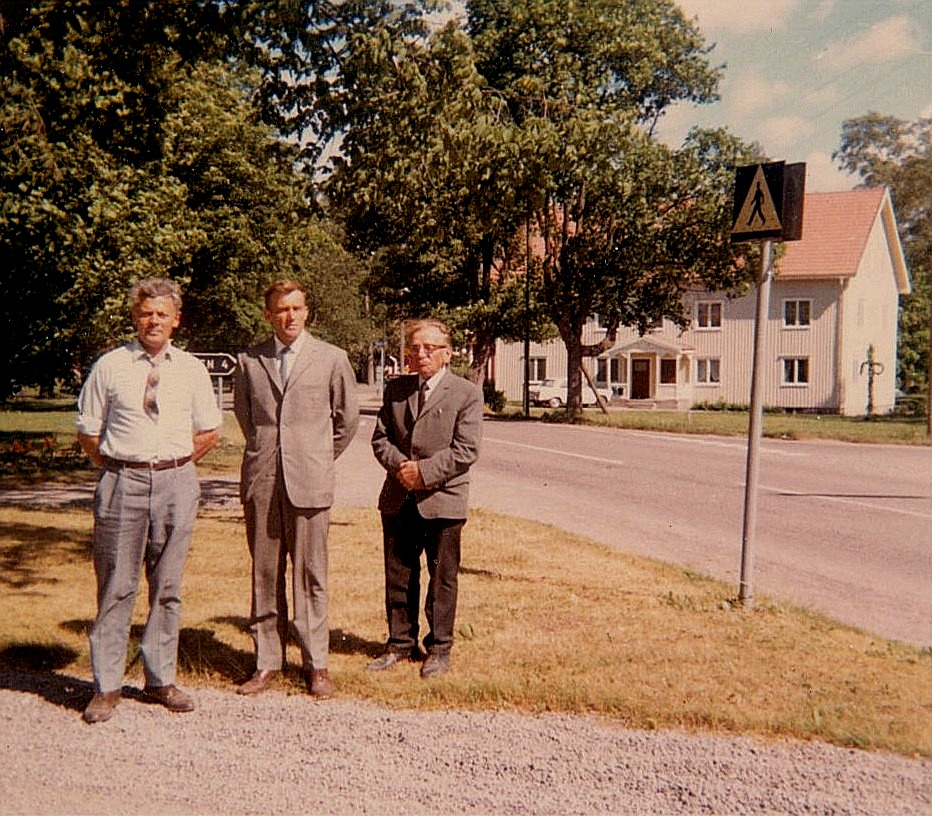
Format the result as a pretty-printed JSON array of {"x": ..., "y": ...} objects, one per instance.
[
  {"x": 768, "y": 206},
  {"x": 220, "y": 366}
]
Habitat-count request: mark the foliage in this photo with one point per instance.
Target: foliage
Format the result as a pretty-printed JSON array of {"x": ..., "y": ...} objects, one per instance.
[
  {"x": 129, "y": 147},
  {"x": 627, "y": 225},
  {"x": 886, "y": 151}
]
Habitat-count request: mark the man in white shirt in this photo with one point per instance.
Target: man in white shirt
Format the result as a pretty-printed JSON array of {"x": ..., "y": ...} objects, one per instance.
[{"x": 145, "y": 414}]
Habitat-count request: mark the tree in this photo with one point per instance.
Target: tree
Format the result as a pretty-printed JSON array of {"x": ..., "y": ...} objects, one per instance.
[
  {"x": 431, "y": 183},
  {"x": 627, "y": 225},
  {"x": 891, "y": 152},
  {"x": 130, "y": 146}
]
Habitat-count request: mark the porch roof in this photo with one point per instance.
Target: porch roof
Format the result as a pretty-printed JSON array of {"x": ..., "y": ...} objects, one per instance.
[{"x": 649, "y": 345}]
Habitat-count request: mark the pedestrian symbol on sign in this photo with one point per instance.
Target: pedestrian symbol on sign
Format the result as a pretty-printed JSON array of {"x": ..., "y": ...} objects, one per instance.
[{"x": 758, "y": 212}]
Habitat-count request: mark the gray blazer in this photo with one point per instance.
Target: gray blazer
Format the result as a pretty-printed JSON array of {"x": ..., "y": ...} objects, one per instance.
[
  {"x": 444, "y": 440},
  {"x": 309, "y": 423}
]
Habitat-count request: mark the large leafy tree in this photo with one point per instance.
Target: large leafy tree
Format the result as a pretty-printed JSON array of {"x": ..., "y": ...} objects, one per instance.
[
  {"x": 130, "y": 146},
  {"x": 627, "y": 225},
  {"x": 431, "y": 182},
  {"x": 891, "y": 152}
]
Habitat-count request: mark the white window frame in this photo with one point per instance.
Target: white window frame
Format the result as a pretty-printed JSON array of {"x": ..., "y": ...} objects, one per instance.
[
  {"x": 708, "y": 371},
  {"x": 796, "y": 324},
  {"x": 537, "y": 365},
  {"x": 707, "y": 323},
  {"x": 793, "y": 369}
]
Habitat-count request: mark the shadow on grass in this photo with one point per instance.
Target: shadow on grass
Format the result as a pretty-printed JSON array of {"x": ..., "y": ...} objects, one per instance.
[{"x": 19, "y": 562}]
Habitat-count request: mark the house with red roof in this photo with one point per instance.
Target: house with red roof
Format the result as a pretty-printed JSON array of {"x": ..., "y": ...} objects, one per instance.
[{"x": 830, "y": 334}]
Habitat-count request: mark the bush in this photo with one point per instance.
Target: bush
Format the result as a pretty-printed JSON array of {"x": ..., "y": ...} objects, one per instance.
[
  {"x": 30, "y": 455},
  {"x": 494, "y": 399}
]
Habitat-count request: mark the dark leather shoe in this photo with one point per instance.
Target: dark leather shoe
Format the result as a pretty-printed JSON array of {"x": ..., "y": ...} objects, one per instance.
[
  {"x": 319, "y": 684},
  {"x": 260, "y": 681},
  {"x": 437, "y": 663},
  {"x": 101, "y": 706},
  {"x": 387, "y": 660},
  {"x": 172, "y": 697}
]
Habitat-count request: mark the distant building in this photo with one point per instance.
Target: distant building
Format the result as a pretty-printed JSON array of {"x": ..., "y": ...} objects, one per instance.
[{"x": 835, "y": 295}]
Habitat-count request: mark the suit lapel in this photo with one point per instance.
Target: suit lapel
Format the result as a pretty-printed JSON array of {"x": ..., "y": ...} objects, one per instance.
[
  {"x": 435, "y": 397},
  {"x": 270, "y": 363},
  {"x": 304, "y": 358}
]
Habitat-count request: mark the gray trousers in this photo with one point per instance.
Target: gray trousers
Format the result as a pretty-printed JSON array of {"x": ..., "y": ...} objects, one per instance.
[
  {"x": 141, "y": 518},
  {"x": 275, "y": 531}
]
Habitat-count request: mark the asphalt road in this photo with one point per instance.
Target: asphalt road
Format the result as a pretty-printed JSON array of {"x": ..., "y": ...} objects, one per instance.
[{"x": 844, "y": 529}]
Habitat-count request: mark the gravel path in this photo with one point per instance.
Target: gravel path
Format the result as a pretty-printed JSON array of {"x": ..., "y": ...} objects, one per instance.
[{"x": 281, "y": 753}]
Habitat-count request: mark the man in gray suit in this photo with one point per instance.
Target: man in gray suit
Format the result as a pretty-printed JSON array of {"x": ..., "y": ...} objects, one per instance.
[
  {"x": 295, "y": 401},
  {"x": 426, "y": 437}
]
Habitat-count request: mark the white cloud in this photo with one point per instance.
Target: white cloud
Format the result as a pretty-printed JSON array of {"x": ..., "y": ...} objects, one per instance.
[
  {"x": 887, "y": 41},
  {"x": 822, "y": 176},
  {"x": 740, "y": 15},
  {"x": 751, "y": 93},
  {"x": 779, "y": 134}
]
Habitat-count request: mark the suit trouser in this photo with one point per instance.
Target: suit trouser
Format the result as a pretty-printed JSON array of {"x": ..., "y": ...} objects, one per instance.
[
  {"x": 141, "y": 517},
  {"x": 405, "y": 535},
  {"x": 275, "y": 531}
]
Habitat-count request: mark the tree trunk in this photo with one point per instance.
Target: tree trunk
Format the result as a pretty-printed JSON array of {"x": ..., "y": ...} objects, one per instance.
[{"x": 574, "y": 357}]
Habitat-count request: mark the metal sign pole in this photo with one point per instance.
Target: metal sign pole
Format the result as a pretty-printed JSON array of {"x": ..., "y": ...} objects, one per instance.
[{"x": 745, "y": 590}]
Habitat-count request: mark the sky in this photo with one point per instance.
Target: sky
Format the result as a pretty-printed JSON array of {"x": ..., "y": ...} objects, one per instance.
[{"x": 795, "y": 70}]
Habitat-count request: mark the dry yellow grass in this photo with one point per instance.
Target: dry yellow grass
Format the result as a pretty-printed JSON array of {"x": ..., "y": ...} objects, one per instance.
[{"x": 547, "y": 621}]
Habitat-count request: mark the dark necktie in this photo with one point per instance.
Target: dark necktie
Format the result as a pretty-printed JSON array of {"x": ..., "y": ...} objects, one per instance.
[
  {"x": 150, "y": 400},
  {"x": 421, "y": 397}
]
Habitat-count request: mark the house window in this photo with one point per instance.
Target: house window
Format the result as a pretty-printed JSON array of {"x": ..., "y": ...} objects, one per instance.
[
  {"x": 796, "y": 313},
  {"x": 708, "y": 314},
  {"x": 707, "y": 370},
  {"x": 538, "y": 368},
  {"x": 668, "y": 372},
  {"x": 619, "y": 369},
  {"x": 795, "y": 370}
]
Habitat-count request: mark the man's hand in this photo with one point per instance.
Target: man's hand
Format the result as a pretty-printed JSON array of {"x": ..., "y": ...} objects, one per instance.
[
  {"x": 91, "y": 446},
  {"x": 409, "y": 474},
  {"x": 204, "y": 441}
]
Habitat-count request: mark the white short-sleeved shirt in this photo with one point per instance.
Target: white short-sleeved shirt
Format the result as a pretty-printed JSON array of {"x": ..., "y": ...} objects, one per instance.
[{"x": 111, "y": 404}]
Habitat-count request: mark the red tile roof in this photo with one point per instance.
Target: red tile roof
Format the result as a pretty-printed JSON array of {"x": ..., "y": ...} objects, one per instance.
[{"x": 835, "y": 231}]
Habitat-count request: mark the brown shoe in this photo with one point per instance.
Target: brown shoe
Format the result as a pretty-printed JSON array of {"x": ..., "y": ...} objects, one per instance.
[
  {"x": 437, "y": 663},
  {"x": 101, "y": 706},
  {"x": 172, "y": 697},
  {"x": 319, "y": 684},
  {"x": 260, "y": 681}
]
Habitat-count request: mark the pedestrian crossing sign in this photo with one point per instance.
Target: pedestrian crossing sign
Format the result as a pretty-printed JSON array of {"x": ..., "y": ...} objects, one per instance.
[
  {"x": 768, "y": 202},
  {"x": 757, "y": 210}
]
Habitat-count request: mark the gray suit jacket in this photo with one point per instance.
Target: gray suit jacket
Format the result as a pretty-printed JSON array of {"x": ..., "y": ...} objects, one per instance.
[
  {"x": 444, "y": 440},
  {"x": 308, "y": 424}
]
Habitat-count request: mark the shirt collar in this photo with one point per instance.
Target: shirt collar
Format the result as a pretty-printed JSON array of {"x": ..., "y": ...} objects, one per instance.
[
  {"x": 139, "y": 353},
  {"x": 432, "y": 382},
  {"x": 295, "y": 346}
]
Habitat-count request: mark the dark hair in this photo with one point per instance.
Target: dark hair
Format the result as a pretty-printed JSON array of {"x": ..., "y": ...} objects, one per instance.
[
  {"x": 282, "y": 287},
  {"x": 153, "y": 288}
]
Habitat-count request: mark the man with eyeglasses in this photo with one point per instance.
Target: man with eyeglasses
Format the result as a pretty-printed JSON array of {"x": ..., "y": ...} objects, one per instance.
[{"x": 427, "y": 437}]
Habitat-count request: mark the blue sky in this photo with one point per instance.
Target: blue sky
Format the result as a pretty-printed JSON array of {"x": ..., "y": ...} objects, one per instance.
[{"x": 796, "y": 69}]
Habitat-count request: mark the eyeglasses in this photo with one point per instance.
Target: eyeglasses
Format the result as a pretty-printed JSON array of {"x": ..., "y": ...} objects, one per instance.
[{"x": 427, "y": 348}]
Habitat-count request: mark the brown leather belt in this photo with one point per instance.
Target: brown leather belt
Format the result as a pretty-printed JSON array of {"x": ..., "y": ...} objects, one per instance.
[{"x": 165, "y": 464}]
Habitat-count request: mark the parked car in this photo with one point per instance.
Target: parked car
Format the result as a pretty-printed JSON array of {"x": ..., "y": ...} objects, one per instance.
[{"x": 552, "y": 394}]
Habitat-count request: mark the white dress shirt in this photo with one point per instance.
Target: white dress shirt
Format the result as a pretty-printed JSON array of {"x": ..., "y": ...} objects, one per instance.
[{"x": 111, "y": 405}]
